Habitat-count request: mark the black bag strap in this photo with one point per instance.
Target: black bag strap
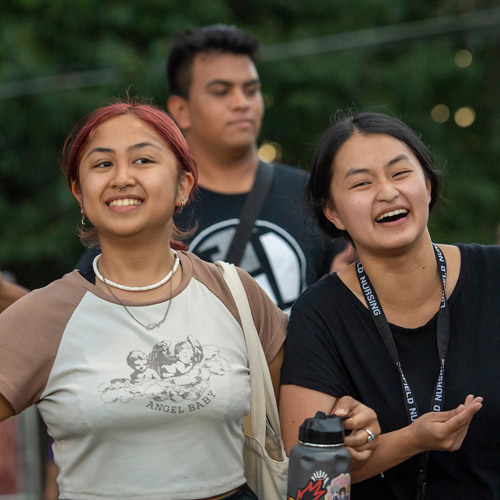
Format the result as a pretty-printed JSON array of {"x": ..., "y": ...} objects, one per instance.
[{"x": 250, "y": 211}]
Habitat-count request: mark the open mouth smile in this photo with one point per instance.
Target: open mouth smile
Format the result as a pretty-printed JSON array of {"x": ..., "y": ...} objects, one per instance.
[
  {"x": 127, "y": 202},
  {"x": 392, "y": 215}
]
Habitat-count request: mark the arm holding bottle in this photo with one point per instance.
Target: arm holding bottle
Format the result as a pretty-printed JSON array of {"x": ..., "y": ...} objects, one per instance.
[
  {"x": 298, "y": 403},
  {"x": 443, "y": 431}
]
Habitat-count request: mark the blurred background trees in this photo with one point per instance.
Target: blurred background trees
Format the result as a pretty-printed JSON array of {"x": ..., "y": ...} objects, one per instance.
[{"x": 433, "y": 63}]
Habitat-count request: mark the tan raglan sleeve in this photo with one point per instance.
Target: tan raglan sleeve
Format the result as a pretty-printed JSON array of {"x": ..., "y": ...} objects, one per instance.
[{"x": 30, "y": 333}]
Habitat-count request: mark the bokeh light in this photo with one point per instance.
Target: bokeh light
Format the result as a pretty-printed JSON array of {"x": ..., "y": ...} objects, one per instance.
[
  {"x": 270, "y": 151},
  {"x": 440, "y": 113},
  {"x": 463, "y": 58},
  {"x": 464, "y": 117}
]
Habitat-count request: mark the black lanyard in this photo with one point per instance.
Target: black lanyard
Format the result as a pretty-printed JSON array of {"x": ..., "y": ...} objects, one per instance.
[{"x": 443, "y": 337}]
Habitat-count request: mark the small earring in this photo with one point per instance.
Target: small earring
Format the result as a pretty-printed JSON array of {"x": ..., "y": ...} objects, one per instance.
[
  {"x": 82, "y": 220},
  {"x": 179, "y": 209}
]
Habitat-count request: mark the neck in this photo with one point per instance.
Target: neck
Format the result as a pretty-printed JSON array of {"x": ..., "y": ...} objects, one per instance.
[
  {"x": 135, "y": 265},
  {"x": 228, "y": 171},
  {"x": 404, "y": 281}
]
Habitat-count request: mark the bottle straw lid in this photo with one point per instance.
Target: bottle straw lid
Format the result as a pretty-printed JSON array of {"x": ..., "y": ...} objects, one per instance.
[{"x": 322, "y": 429}]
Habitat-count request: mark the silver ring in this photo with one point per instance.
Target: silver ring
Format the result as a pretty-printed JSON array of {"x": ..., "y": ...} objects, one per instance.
[
  {"x": 371, "y": 436},
  {"x": 121, "y": 189}
]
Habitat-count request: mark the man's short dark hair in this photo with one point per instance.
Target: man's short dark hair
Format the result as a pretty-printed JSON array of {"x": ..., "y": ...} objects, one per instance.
[{"x": 215, "y": 38}]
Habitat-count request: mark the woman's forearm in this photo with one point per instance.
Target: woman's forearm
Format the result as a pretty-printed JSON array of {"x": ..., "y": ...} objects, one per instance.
[
  {"x": 393, "y": 448},
  {"x": 441, "y": 431}
]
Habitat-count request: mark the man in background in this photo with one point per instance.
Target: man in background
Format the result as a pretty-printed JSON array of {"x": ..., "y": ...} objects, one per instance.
[{"x": 216, "y": 99}]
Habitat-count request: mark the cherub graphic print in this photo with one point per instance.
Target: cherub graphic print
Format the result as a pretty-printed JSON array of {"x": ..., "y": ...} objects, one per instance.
[{"x": 170, "y": 373}]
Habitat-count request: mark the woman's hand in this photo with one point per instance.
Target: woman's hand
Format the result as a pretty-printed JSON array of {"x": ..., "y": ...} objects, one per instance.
[
  {"x": 364, "y": 425},
  {"x": 445, "y": 430}
]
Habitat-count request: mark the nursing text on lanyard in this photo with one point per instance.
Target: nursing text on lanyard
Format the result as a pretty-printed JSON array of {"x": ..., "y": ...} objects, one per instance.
[{"x": 443, "y": 337}]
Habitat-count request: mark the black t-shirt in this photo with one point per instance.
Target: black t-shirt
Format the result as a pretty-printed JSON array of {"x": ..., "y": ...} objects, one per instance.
[
  {"x": 286, "y": 251},
  {"x": 334, "y": 347}
]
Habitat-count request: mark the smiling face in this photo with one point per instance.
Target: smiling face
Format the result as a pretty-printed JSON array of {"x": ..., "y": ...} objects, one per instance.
[
  {"x": 125, "y": 152},
  {"x": 225, "y": 106},
  {"x": 379, "y": 193},
  {"x": 140, "y": 365},
  {"x": 186, "y": 353}
]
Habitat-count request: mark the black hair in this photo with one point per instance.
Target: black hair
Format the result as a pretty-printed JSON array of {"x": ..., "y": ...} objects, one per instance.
[
  {"x": 215, "y": 38},
  {"x": 318, "y": 190}
]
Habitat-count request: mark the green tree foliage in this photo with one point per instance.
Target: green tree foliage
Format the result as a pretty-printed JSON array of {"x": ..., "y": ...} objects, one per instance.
[{"x": 60, "y": 59}]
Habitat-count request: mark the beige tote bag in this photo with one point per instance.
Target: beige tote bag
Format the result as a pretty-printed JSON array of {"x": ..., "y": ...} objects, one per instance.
[{"x": 266, "y": 464}]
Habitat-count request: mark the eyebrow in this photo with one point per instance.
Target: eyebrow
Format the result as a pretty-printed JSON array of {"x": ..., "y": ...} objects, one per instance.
[
  {"x": 134, "y": 147},
  {"x": 397, "y": 158},
  {"x": 354, "y": 171},
  {"x": 227, "y": 83}
]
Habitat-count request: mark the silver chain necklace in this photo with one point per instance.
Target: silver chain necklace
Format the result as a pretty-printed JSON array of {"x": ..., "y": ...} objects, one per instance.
[{"x": 150, "y": 326}]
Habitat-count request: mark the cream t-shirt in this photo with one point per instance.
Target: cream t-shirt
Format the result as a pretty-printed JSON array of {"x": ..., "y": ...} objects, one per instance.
[{"x": 135, "y": 413}]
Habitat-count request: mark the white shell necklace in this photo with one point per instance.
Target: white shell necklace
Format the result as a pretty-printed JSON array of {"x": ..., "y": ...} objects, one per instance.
[{"x": 136, "y": 288}]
